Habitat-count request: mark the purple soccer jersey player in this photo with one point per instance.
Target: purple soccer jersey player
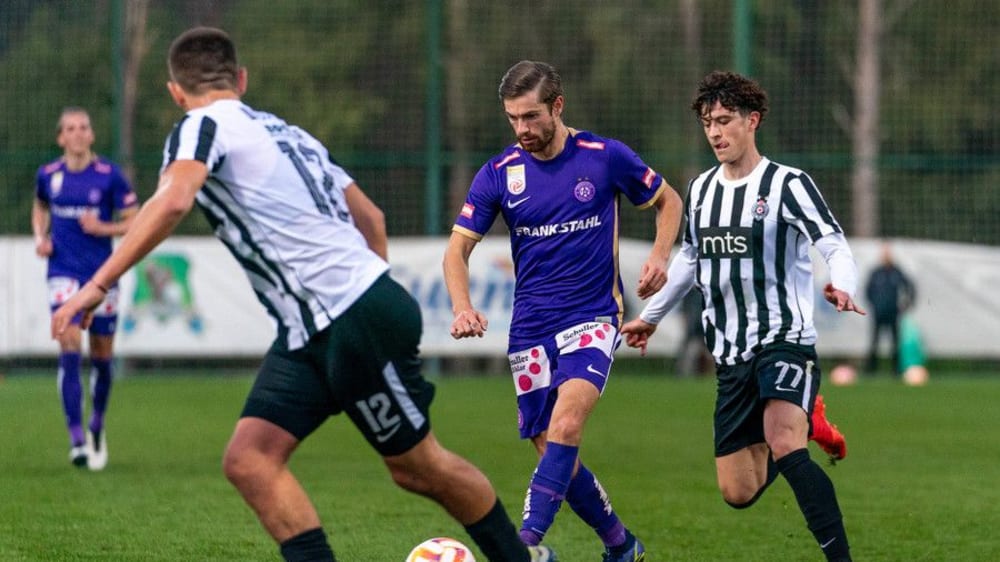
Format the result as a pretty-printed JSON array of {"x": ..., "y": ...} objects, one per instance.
[
  {"x": 563, "y": 220},
  {"x": 558, "y": 190},
  {"x": 77, "y": 198}
]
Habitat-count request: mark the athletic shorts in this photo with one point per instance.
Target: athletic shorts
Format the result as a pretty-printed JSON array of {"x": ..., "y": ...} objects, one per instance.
[
  {"x": 106, "y": 313},
  {"x": 782, "y": 371},
  {"x": 584, "y": 351},
  {"x": 365, "y": 363}
]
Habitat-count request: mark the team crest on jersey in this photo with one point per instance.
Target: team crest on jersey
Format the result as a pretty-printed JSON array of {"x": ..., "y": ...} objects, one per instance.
[
  {"x": 516, "y": 183},
  {"x": 94, "y": 196},
  {"x": 56, "y": 183},
  {"x": 584, "y": 190},
  {"x": 760, "y": 209}
]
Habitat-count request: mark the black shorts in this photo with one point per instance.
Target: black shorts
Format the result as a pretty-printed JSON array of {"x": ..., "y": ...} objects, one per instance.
[
  {"x": 782, "y": 371},
  {"x": 365, "y": 363}
]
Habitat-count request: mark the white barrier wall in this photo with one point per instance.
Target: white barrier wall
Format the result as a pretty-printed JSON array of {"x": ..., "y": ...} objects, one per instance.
[{"x": 193, "y": 300}]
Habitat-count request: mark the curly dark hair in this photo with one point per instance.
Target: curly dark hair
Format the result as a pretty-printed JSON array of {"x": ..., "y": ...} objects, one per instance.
[{"x": 733, "y": 91}]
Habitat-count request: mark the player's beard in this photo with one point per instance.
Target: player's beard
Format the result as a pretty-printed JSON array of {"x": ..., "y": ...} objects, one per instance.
[{"x": 539, "y": 143}]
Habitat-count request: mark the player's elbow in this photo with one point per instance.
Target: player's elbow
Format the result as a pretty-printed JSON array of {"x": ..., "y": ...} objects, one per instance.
[{"x": 174, "y": 211}]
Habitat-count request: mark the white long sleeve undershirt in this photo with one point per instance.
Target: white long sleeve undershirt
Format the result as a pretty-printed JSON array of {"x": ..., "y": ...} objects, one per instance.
[{"x": 681, "y": 275}]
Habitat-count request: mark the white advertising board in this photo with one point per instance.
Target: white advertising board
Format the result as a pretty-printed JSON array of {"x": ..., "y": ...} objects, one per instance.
[{"x": 189, "y": 298}]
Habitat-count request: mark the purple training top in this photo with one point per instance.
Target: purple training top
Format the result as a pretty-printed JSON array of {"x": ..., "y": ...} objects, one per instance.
[
  {"x": 563, "y": 220},
  {"x": 99, "y": 188}
]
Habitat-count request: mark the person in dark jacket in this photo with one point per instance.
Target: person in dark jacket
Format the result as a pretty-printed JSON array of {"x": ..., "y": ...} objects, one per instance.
[{"x": 890, "y": 293}]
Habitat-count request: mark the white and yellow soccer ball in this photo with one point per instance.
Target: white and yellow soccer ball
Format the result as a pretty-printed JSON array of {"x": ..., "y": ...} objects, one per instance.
[{"x": 441, "y": 549}]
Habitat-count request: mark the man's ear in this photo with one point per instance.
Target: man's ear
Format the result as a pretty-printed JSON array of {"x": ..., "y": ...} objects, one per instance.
[
  {"x": 557, "y": 107},
  {"x": 177, "y": 93},
  {"x": 241, "y": 80}
]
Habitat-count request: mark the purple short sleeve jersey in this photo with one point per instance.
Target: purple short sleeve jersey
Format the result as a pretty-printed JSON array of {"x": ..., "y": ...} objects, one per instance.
[
  {"x": 563, "y": 220},
  {"x": 99, "y": 188}
]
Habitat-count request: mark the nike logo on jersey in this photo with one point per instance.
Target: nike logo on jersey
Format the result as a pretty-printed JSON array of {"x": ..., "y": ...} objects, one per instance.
[
  {"x": 591, "y": 369},
  {"x": 512, "y": 204}
]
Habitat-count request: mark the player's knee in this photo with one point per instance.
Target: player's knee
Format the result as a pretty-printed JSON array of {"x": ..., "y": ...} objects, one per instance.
[
  {"x": 738, "y": 495},
  {"x": 411, "y": 478},
  {"x": 567, "y": 430},
  {"x": 743, "y": 504},
  {"x": 240, "y": 466}
]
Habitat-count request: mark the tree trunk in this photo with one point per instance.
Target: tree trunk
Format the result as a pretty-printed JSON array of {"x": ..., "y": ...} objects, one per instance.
[
  {"x": 457, "y": 101},
  {"x": 691, "y": 16},
  {"x": 865, "y": 130},
  {"x": 136, "y": 48}
]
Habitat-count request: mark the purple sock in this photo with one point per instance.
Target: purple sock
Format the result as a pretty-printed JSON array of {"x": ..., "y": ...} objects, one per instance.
[
  {"x": 590, "y": 502},
  {"x": 72, "y": 395},
  {"x": 100, "y": 389},
  {"x": 547, "y": 490}
]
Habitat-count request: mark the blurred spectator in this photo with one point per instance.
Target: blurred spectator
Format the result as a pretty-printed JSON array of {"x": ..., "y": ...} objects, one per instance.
[{"x": 891, "y": 293}]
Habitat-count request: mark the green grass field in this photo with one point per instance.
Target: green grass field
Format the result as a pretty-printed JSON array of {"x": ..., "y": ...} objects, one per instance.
[{"x": 919, "y": 483}]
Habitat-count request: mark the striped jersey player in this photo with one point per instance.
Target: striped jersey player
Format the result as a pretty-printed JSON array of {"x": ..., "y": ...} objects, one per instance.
[
  {"x": 746, "y": 248},
  {"x": 300, "y": 249},
  {"x": 750, "y": 224},
  {"x": 559, "y": 191},
  {"x": 314, "y": 248}
]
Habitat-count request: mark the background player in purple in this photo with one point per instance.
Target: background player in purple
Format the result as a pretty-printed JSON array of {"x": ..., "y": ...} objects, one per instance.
[
  {"x": 558, "y": 190},
  {"x": 77, "y": 198}
]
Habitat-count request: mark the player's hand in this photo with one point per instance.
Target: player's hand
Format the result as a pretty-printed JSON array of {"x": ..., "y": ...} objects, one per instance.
[
  {"x": 468, "y": 323},
  {"x": 637, "y": 334},
  {"x": 91, "y": 224},
  {"x": 841, "y": 300},
  {"x": 43, "y": 246},
  {"x": 86, "y": 299},
  {"x": 652, "y": 278}
]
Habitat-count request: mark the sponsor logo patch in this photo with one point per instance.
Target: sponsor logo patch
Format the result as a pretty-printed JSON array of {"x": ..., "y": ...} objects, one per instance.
[{"x": 530, "y": 369}]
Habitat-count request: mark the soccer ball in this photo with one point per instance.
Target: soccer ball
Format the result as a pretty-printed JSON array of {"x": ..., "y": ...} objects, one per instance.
[
  {"x": 441, "y": 549},
  {"x": 843, "y": 375},
  {"x": 915, "y": 375}
]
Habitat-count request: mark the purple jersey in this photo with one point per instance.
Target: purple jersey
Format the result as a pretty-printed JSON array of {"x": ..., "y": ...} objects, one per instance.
[
  {"x": 99, "y": 188},
  {"x": 563, "y": 220}
]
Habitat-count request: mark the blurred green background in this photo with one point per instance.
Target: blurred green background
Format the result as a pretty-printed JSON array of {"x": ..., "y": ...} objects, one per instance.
[{"x": 889, "y": 104}]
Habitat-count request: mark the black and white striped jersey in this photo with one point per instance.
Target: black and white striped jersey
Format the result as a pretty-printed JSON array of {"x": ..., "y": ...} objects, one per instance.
[
  {"x": 746, "y": 247},
  {"x": 276, "y": 199}
]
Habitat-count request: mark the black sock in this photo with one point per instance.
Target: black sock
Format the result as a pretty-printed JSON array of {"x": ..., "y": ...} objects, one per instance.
[
  {"x": 818, "y": 501},
  {"x": 772, "y": 473},
  {"x": 310, "y": 546},
  {"x": 496, "y": 536}
]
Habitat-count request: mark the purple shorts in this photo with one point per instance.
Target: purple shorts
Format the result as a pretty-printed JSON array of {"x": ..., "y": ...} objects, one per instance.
[
  {"x": 584, "y": 351},
  {"x": 105, "y": 315}
]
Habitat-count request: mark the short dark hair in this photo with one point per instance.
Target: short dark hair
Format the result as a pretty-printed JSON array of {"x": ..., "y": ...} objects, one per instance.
[
  {"x": 528, "y": 75},
  {"x": 733, "y": 91},
  {"x": 202, "y": 59},
  {"x": 69, "y": 110}
]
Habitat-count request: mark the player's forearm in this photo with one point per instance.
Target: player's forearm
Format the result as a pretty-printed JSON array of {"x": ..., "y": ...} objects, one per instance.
[
  {"x": 840, "y": 261},
  {"x": 374, "y": 232},
  {"x": 456, "y": 278},
  {"x": 368, "y": 219},
  {"x": 680, "y": 279},
  {"x": 668, "y": 222},
  {"x": 40, "y": 222},
  {"x": 151, "y": 225}
]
